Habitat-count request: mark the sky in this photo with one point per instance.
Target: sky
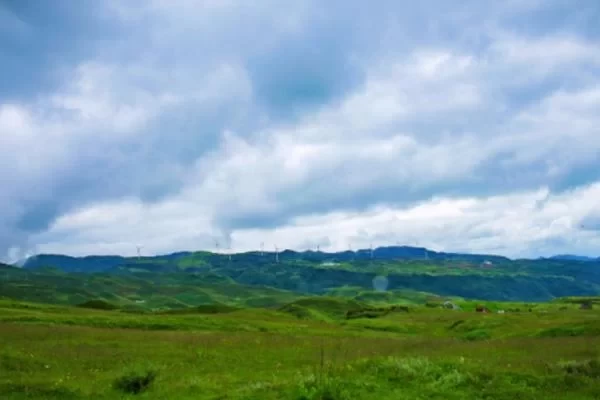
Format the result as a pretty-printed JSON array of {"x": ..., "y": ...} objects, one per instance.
[{"x": 174, "y": 124}]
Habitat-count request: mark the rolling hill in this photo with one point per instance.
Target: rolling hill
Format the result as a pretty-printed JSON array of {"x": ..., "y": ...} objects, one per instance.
[{"x": 195, "y": 278}]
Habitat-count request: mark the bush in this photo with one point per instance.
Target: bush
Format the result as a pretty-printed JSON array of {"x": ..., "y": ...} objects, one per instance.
[
  {"x": 477, "y": 334},
  {"x": 456, "y": 324},
  {"x": 326, "y": 388},
  {"x": 589, "y": 368},
  {"x": 135, "y": 383},
  {"x": 98, "y": 305},
  {"x": 562, "y": 331}
]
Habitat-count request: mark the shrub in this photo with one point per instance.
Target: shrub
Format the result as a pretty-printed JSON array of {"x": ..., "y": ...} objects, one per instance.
[
  {"x": 325, "y": 388},
  {"x": 589, "y": 368},
  {"x": 562, "y": 331},
  {"x": 477, "y": 334},
  {"x": 456, "y": 323},
  {"x": 135, "y": 383},
  {"x": 98, "y": 305}
]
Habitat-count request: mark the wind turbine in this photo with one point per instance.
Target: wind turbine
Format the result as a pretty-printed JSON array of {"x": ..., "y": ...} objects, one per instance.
[
  {"x": 276, "y": 254},
  {"x": 262, "y": 249},
  {"x": 229, "y": 252},
  {"x": 216, "y": 246},
  {"x": 139, "y": 251}
]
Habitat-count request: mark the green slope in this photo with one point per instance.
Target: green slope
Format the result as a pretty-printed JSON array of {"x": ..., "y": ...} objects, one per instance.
[{"x": 142, "y": 291}]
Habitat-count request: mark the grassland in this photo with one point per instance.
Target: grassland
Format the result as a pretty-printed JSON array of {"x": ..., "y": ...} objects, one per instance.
[
  {"x": 63, "y": 352},
  {"x": 198, "y": 326}
]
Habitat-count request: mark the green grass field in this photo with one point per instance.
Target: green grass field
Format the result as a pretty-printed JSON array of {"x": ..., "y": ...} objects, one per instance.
[{"x": 64, "y": 352}]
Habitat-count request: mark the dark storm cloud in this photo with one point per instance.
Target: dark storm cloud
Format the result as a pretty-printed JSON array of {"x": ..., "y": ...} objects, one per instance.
[{"x": 41, "y": 40}]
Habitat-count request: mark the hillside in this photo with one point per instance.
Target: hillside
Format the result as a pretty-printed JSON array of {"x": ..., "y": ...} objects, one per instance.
[
  {"x": 136, "y": 291},
  {"x": 404, "y": 268}
]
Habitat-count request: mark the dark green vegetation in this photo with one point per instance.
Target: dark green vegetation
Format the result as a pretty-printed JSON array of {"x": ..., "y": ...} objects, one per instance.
[{"x": 201, "y": 326}]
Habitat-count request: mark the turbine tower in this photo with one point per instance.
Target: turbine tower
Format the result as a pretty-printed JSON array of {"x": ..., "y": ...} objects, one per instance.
[
  {"x": 262, "y": 249},
  {"x": 139, "y": 251},
  {"x": 276, "y": 254}
]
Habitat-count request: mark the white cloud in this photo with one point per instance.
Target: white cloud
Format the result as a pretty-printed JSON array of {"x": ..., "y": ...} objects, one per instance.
[
  {"x": 169, "y": 140},
  {"x": 543, "y": 55},
  {"x": 515, "y": 225}
]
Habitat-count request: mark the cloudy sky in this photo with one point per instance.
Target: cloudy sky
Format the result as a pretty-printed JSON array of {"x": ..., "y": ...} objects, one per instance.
[{"x": 460, "y": 126}]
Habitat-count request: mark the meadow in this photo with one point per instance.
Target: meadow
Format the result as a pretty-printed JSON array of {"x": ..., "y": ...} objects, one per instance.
[
  {"x": 203, "y": 326},
  {"x": 307, "y": 349}
]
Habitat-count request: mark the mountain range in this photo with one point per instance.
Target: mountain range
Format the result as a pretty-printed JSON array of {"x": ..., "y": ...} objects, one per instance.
[
  {"x": 94, "y": 263},
  {"x": 476, "y": 276}
]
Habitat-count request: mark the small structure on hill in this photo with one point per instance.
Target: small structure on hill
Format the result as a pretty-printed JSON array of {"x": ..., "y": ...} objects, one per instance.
[
  {"x": 586, "y": 306},
  {"x": 482, "y": 309},
  {"x": 450, "y": 305},
  {"x": 486, "y": 264}
]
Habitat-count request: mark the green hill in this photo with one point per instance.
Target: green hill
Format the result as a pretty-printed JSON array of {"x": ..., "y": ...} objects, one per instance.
[
  {"x": 138, "y": 290},
  {"x": 191, "y": 279}
]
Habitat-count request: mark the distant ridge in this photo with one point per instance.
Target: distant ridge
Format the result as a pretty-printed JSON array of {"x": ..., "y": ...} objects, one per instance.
[
  {"x": 95, "y": 263},
  {"x": 477, "y": 276},
  {"x": 572, "y": 257}
]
